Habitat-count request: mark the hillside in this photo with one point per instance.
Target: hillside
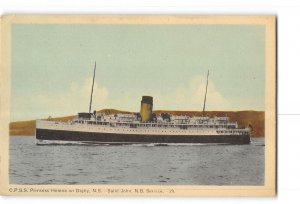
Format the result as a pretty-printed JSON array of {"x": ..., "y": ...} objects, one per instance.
[{"x": 244, "y": 118}]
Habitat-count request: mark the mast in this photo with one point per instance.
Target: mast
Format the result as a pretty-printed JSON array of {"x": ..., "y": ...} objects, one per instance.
[
  {"x": 91, "y": 99},
  {"x": 205, "y": 93}
]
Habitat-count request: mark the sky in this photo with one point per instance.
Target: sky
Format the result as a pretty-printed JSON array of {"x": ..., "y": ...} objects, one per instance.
[{"x": 52, "y": 67}]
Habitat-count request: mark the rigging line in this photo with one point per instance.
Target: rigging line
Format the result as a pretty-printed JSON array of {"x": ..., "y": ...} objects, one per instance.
[
  {"x": 205, "y": 93},
  {"x": 91, "y": 99}
]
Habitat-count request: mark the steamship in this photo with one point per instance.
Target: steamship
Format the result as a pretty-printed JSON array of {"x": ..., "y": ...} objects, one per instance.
[{"x": 143, "y": 127}]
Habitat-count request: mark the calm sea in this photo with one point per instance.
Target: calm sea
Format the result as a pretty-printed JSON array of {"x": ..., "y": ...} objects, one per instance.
[{"x": 136, "y": 164}]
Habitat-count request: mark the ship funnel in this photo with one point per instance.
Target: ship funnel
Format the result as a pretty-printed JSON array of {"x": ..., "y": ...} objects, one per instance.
[{"x": 146, "y": 108}]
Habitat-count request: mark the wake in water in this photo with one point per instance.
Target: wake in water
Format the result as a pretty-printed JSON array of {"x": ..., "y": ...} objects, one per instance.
[{"x": 136, "y": 164}]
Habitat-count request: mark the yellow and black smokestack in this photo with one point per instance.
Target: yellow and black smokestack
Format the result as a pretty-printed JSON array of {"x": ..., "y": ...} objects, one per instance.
[{"x": 146, "y": 108}]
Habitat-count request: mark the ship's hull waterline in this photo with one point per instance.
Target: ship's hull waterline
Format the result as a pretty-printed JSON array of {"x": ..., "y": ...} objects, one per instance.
[{"x": 117, "y": 138}]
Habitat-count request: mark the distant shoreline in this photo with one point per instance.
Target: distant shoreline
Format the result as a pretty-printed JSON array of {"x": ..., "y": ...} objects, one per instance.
[{"x": 244, "y": 118}]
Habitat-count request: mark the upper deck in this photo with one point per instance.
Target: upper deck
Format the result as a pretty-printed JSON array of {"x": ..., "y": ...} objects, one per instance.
[{"x": 181, "y": 122}]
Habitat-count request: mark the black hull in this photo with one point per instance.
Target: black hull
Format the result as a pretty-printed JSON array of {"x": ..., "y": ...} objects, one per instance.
[{"x": 109, "y": 138}]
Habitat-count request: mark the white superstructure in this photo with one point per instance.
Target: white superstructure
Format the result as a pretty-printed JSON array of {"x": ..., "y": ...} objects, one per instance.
[{"x": 129, "y": 124}]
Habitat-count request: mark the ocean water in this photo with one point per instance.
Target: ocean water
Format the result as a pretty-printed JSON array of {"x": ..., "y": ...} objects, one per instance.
[{"x": 136, "y": 164}]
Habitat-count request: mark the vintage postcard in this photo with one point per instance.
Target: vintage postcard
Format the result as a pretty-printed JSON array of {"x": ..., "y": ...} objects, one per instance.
[{"x": 138, "y": 105}]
